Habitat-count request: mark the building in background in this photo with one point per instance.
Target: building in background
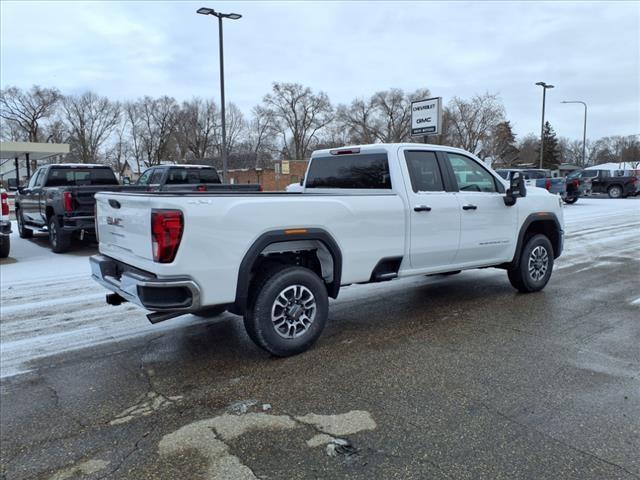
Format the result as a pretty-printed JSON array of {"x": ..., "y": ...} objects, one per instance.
[{"x": 275, "y": 178}]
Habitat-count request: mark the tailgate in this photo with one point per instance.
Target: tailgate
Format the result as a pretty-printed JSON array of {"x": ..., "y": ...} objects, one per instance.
[{"x": 124, "y": 226}]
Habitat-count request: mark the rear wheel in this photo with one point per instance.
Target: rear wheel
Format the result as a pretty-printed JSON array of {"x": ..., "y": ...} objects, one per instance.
[
  {"x": 570, "y": 200},
  {"x": 288, "y": 310},
  {"x": 532, "y": 271},
  {"x": 59, "y": 240},
  {"x": 23, "y": 231},
  {"x": 5, "y": 246},
  {"x": 615, "y": 191}
]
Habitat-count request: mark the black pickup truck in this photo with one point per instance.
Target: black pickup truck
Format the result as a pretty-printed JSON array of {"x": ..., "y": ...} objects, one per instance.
[
  {"x": 59, "y": 198},
  {"x": 615, "y": 186}
]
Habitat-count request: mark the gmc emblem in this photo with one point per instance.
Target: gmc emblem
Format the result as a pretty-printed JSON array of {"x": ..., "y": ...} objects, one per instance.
[{"x": 116, "y": 222}]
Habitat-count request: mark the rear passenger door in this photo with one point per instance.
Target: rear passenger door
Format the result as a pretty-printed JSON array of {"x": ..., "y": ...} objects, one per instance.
[
  {"x": 487, "y": 226},
  {"x": 434, "y": 211}
]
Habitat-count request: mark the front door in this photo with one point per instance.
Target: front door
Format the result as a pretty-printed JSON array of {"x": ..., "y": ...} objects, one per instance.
[
  {"x": 434, "y": 212},
  {"x": 487, "y": 226}
]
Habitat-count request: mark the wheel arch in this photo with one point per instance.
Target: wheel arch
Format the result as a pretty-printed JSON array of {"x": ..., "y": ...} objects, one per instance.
[
  {"x": 279, "y": 245},
  {"x": 545, "y": 223}
]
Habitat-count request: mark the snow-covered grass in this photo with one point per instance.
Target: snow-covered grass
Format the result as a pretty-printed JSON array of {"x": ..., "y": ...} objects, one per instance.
[{"x": 50, "y": 305}]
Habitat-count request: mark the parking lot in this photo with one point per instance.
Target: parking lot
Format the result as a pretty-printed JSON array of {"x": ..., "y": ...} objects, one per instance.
[{"x": 434, "y": 377}]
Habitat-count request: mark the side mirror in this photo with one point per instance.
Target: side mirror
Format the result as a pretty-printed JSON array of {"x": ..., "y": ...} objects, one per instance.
[
  {"x": 516, "y": 189},
  {"x": 126, "y": 181},
  {"x": 19, "y": 189}
]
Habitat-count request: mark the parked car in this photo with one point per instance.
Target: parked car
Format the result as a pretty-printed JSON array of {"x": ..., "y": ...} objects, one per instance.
[
  {"x": 536, "y": 177},
  {"x": 5, "y": 225},
  {"x": 615, "y": 186},
  {"x": 577, "y": 186},
  {"x": 59, "y": 198},
  {"x": 366, "y": 214},
  {"x": 187, "y": 177}
]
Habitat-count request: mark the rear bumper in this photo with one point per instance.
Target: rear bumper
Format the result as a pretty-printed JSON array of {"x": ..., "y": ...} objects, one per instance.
[
  {"x": 85, "y": 222},
  {"x": 174, "y": 294}
]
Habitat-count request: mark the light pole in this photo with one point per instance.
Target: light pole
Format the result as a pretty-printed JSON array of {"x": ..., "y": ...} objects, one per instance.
[
  {"x": 584, "y": 131},
  {"x": 232, "y": 16},
  {"x": 544, "y": 94}
]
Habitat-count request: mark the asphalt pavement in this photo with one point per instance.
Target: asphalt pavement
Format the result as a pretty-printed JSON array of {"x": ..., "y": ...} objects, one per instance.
[{"x": 431, "y": 377}]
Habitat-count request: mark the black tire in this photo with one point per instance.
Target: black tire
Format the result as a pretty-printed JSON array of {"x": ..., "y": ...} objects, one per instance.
[
  {"x": 59, "y": 240},
  {"x": 301, "y": 286},
  {"x": 23, "y": 231},
  {"x": 570, "y": 200},
  {"x": 5, "y": 246},
  {"x": 615, "y": 191},
  {"x": 526, "y": 275}
]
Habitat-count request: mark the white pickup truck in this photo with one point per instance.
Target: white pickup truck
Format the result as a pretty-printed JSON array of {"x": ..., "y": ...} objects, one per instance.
[{"x": 365, "y": 214}]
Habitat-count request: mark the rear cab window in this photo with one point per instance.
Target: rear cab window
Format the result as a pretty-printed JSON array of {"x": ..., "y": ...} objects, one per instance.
[
  {"x": 192, "y": 176},
  {"x": 369, "y": 171},
  {"x": 78, "y": 177}
]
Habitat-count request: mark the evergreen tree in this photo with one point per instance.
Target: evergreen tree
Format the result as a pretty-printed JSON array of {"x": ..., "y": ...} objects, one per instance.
[
  {"x": 502, "y": 144},
  {"x": 551, "y": 148}
]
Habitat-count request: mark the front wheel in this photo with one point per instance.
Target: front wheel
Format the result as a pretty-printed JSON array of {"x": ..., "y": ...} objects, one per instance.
[
  {"x": 532, "y": 270},
  {"x": 23, "y": 231},
  {"x": 59, "y": 240},
  {"x": 288, "y": 310}
]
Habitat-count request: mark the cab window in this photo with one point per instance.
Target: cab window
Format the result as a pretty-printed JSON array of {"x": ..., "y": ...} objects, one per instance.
[
  {"x": 424, "y": 171},
  {"x": 470, "y": 175},
  {"x": 144, "y": 178}
]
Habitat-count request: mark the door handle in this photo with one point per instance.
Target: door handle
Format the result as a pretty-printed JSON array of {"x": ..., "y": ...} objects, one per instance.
[
  {"x": 469, "y": 207},
  {"x": 421, "y": 208}
]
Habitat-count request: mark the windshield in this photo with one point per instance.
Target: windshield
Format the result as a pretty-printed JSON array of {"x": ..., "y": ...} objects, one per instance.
[{"x": 60, "y": 177}]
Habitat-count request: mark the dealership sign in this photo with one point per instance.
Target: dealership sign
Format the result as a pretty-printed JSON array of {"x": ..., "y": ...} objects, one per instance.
[{"x": 426, "y": 116}]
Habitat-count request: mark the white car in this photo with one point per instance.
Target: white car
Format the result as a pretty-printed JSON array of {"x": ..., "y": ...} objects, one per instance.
[{"x": 366, "y": 214}]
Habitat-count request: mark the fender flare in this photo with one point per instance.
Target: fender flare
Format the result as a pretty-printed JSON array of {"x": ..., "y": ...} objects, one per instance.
[
  {"x": 285, "y": 235},
  {"x": 530, "y": 220}
]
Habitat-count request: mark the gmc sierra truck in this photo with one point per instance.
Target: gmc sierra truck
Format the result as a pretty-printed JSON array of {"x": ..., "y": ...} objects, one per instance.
[{"x": 367, "y": 213}]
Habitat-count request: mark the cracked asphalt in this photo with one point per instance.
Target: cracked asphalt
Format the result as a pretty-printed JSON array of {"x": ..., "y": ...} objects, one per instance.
[{"x": 458, "y": 377}]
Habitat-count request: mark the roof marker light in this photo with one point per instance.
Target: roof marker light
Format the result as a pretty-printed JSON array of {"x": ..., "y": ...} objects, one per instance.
[{"x": 344, "y": 151}]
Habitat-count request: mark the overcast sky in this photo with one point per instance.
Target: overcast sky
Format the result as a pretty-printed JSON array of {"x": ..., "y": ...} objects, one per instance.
[{"x": 589, "y": 50}]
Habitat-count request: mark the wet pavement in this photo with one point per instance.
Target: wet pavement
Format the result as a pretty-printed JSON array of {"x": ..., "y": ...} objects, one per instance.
[{"x": 430, "y": 377}]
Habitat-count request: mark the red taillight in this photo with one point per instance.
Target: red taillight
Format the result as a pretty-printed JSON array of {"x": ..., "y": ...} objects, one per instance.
[
  {"x": 547, "y": 184},
  {"x": 166, "y": 233},
  {"x": 202, "y": 188},
  {"x": 68, "y": 204},
  {"x": 5, "y": 204}
]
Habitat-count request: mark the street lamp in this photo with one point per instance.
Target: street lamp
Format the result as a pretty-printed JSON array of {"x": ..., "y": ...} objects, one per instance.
[
  {"x": 584, "y": 131},
  {"x": 544, "y": 94},
  {"x": 232, "y": 16}
]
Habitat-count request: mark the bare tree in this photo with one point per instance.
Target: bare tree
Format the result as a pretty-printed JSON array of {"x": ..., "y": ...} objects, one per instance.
[
  {"x": 359, "y": 120},
  {"x": 158, "y": 119},
  {"x": 471, "y": 121},
  {"x": 299, "y": 114},
  {"x": 236, "y": 127},
  {"x": 26, "y": 109},
  {"x": 117, "y": 154},
  {"x": 90, "y": 120},
  {"x": 197, "y": 125},
  {"x": 394, "y": 110}
]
